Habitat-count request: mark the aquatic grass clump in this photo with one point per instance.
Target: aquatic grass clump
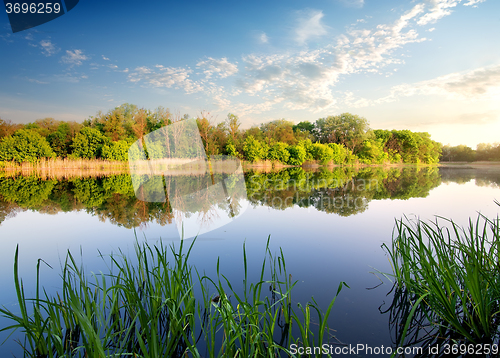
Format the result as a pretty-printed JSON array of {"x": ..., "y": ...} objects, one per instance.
[
  {"x": 157, "y": 305},
  {"x": 452, "y": 274}
]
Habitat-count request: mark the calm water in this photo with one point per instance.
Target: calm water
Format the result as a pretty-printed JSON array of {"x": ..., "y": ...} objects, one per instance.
[{"x": 330, "y": 225}]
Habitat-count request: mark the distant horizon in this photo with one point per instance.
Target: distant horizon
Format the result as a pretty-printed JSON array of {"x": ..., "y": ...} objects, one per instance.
[{"x": 424, "y": 65}]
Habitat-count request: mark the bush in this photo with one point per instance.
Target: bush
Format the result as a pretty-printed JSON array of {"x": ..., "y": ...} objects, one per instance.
[
  {"x": 25, "y": 146},
  {"x": 297, "y": 155},
  {"x": 309, "y": 147},
  {"x": 322, "y": 152},
  {"x": 254, "y": 150},
  {"x": 116, "y": 150},
  {"x": 278, "y": 152},
  {"x": 88, "y": 143}
]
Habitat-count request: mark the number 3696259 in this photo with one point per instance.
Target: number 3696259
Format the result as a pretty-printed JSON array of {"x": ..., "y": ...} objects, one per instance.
[{"x": 33, "y": 8}]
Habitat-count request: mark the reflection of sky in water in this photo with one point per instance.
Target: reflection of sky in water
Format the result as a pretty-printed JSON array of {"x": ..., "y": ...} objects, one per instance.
[{"x": 321, "y": 249}]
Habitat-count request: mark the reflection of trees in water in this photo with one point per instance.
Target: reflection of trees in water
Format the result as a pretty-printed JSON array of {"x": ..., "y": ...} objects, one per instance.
[
  {"x": 344, "y": 191},
  {"x": 487, "y": 176},
  {"x": 110, "y": 198},
  {"x": 411, "y": 182},
  {"x": 206, "y": 196}
]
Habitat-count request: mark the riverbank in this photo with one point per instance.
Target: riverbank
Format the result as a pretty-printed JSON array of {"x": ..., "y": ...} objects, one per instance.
[{"x": 70, "y": 168}]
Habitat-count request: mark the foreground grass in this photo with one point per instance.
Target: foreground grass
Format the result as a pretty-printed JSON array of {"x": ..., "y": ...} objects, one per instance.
[
  {"x": 157, "y": 305},
  {"x": 448, "y": 278}
]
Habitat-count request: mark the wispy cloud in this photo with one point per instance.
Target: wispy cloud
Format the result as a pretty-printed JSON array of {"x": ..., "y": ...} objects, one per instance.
[
  {"x": 310, "y": 26},
  {"x": 105, "y": 58},
  {"x": 220, "y": 67},
  {"x": 307, "y": 79},
  {"x": 74, "y": 58},
  {"x": 478, "y": 84},
  {"x": 33, "y": 80},
  {"x": 263, "y": 38},
  {"x": 177, "y": 77},
  {"x": 48, "y": 48},
  {"x": 437, "y": 10},
  {"x": 354, "y": 3},
  {"x": 473, "y": 2}
]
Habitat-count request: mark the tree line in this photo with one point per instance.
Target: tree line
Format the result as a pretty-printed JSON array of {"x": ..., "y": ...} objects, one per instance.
[
  {"x": 463, "y": 153},
  {"x": 341, "y": 139}
]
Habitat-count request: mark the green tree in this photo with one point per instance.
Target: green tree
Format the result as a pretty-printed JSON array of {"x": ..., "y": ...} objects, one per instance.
[
  {"x": 60, "y": 140},
  {"x": 322, "y": 152},
  {"x": 116, "y": 150},
  {"x": 372, "y": 152},
  {"x": 88, "y": 143},
  {"x": 278, "y": 152},
  {"x": 25, "y": 146},
  {"x": 347, "y": 129},
  {"x": 233, "y": 128},
  {"x": 304, "y": 126},
  {"x": 279, "y": 130},
  {"x": 297, "y": 155},
  {"x": 254, "y": 150}
]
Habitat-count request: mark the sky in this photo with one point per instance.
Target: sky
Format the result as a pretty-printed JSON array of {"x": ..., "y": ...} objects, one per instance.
[{"x": 424, "y": 65}]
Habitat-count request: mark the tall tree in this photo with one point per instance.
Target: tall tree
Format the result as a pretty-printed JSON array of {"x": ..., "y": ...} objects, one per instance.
[
  {"x": 279, "y": 130},
  {"x": 348, "y": 129},
  {"x": 8, "y": 128},
  {"x": 233, "y": 127}
]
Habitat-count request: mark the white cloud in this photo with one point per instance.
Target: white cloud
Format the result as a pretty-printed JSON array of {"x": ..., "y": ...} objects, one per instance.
[
  {"x": 307, "y": 79},
  {"x": 48, "y": 48},
  {"x": 310, "y": 26},
  {"x": 437, "y": 10},
  {"x": 480, "y": 83},
  {"x": 105, "y": 58},
  {"x": 475, "y": 85},
  {"x": 166, "y": 77},
  {"x": 263, "y": 38},
  {"x": 473, "y": 2},
  {"x": 75, "y": 57},
  {"x": 221, "y": 67}
]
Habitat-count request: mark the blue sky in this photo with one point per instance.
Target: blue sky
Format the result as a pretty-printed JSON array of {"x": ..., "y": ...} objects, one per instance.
[{"x": 423, "y": 65}]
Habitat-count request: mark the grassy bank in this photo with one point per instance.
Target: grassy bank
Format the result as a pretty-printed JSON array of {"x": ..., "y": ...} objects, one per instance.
[{"x": 157, "y": 305}]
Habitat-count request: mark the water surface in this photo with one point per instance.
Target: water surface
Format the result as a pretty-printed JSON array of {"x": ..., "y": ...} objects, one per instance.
[{"x": 330, "y": 224}]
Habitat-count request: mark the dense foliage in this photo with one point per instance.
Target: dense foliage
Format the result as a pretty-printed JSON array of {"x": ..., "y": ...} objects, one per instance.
[
  {"x": 463, "y": 153},
  {"x": 25, "y": 146},
  {"x": 341, "y": 139}
]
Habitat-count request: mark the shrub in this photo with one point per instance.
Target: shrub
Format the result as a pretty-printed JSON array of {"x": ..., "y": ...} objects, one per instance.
[
  {"x": 88, "y": 143},
  {"x": 116, "y": 150},
  {"x": 278, "y": 152},
  {"x": 254, "y": 150},
  {"x": 25, "y": 146},
  {"x": 297, "y": 155},
  {"x": 322, "y": 152}
]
